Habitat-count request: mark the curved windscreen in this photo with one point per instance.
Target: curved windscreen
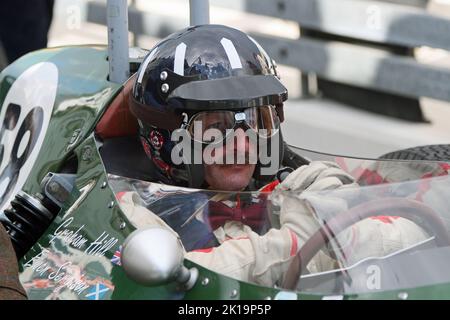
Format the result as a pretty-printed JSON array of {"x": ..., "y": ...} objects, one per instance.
[{"x": 362, "y": 238}]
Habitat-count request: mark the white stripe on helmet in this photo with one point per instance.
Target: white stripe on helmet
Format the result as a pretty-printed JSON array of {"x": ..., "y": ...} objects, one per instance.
[
  {"x": 232, "y": 54},
  {"x": 145, "y": 64},
  {"x": 180, "y": 53}
]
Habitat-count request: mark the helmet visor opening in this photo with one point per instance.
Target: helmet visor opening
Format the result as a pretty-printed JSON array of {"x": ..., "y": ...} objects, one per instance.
[{"x": 214, "y": 126}]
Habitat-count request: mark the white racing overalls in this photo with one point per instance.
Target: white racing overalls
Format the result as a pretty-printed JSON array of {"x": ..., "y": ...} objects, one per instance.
[{"x": 264, "y": 259}]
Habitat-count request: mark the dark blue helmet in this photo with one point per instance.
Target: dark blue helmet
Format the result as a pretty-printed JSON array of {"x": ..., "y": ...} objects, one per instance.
[{"x": 201, "y": 68}]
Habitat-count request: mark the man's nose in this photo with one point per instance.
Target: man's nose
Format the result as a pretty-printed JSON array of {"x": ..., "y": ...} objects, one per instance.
[{"x": 241, "y": 142}]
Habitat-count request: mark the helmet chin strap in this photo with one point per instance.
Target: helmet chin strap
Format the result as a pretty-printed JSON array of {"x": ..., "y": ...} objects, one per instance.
[
  {"x": 257, "y": 175},
  {"x": 196, "y": 176},
  {"x": 195, "y": 172}
]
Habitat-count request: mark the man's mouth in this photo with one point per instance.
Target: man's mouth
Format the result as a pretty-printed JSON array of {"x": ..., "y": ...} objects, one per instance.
[
  {"x": 237, "y": 160},
  {"x": 233, "y": 166}
]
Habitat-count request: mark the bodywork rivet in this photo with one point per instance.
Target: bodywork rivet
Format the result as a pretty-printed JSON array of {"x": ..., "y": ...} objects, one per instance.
[
  {"x": 205, "y": 282},
  {"x": 122, "y": 225},
  {"x": 111, "y": 204},
  {"x": 53, "y": 187},
  {"x": 403, "y": 295},
  {"x": 165, "y": 88},
  {"x": 234, "y": 293},
  {"x": 163, "y": 75}
]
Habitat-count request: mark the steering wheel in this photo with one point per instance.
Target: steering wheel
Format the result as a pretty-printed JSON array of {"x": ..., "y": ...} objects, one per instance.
[{"x": 406, "y": 208}]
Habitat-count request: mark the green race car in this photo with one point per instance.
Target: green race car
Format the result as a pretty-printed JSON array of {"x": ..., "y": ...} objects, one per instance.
[{"x": 70, "y": 163}]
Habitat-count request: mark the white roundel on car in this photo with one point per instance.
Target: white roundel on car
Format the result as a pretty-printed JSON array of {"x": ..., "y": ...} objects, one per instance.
[{"x": 24, "y": 118}]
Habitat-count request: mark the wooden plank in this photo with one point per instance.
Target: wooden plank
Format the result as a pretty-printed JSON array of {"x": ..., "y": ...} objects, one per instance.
[
  {"x": 367, "y": 20},
  {"x": 416, "y": 3},
  {"x": 360, "y": 66}
]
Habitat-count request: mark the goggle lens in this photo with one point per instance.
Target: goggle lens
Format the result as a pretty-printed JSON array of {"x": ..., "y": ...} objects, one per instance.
[{"x": 205, "y": 126}]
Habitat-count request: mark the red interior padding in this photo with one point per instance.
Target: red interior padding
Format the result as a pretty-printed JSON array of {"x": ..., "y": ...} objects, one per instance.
[{"x": 118, "y": 121}]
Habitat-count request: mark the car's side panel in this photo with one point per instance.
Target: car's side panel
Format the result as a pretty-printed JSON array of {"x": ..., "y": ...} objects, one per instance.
[
  {"x": 50, "y": 101},
  {"x": 78, "y": 256}
]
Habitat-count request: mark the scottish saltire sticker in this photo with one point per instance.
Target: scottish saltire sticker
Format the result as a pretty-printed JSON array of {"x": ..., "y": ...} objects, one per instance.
[{"x": 97, "y": 292}]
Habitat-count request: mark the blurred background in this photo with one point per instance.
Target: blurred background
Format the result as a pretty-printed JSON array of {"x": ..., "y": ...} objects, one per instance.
[{"x": 365, "y": 77}]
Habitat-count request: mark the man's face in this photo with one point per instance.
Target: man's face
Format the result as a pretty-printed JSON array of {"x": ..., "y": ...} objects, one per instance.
[{"x": 230, "y": 177}]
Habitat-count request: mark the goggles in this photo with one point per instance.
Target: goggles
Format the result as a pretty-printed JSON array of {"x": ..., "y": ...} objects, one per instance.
[{"x": 205, "y": 126}]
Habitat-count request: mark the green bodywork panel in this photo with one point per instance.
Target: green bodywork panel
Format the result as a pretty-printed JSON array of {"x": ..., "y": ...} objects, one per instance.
[
  {"x": 83, "y": 93},
  {"x": 72, "y": 260}
]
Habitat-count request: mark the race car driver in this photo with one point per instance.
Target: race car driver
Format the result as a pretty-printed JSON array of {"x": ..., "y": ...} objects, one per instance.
[{"x": 216, "y": 90}]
